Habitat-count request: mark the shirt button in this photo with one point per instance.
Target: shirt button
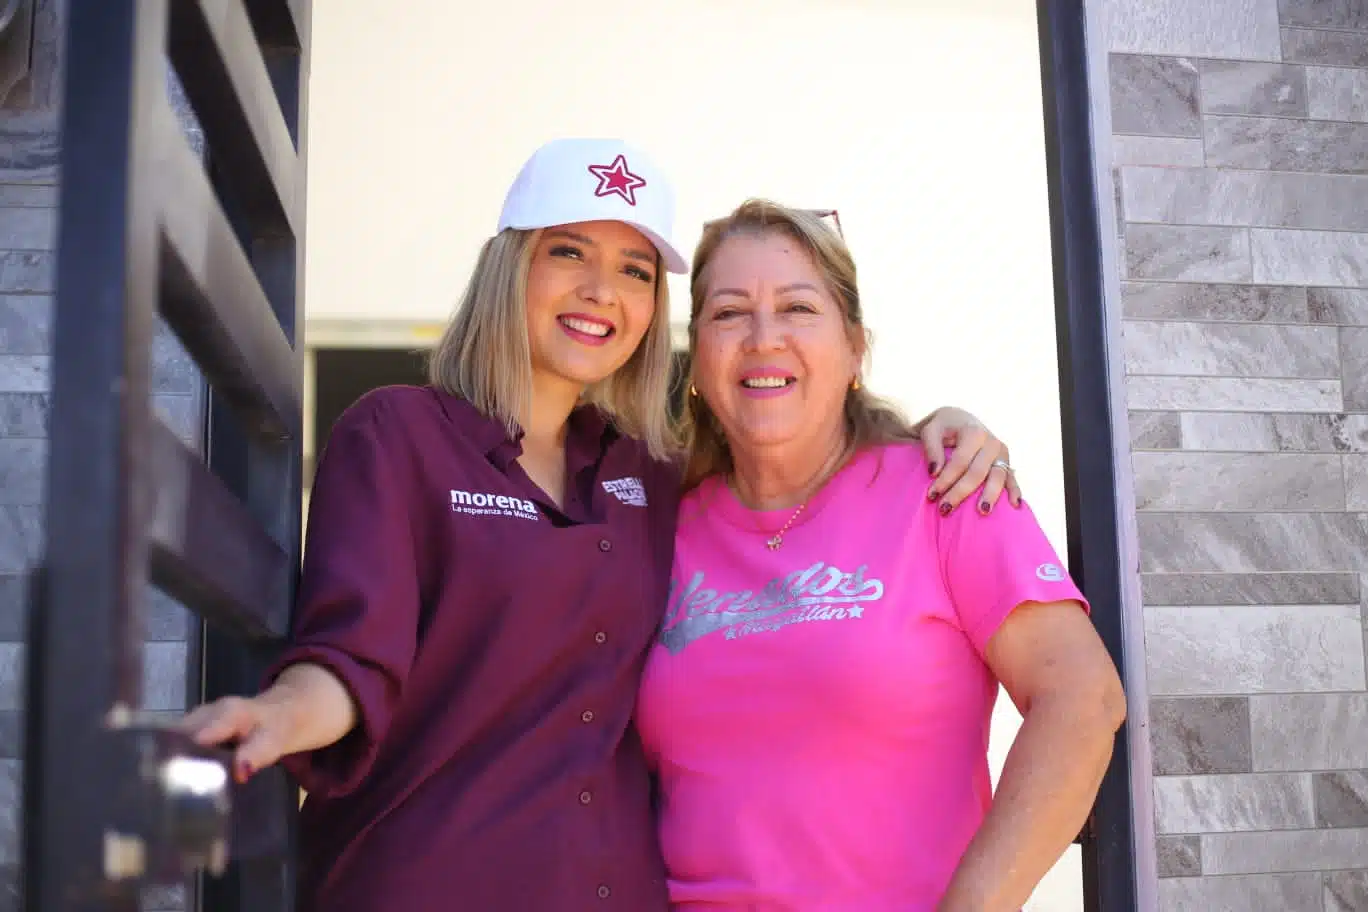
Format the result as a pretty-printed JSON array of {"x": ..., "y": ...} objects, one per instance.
[
  {"x": 605, "y": 545},
  {"x": 585, "y": 797},
  {"x": 600, "y": 638},
  {"x": 604, "y": 892},
  {"x": 587, "y": 716}
]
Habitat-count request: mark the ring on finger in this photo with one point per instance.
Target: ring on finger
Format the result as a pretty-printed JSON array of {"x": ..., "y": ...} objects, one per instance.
[{"x": 1002, "y": 464}]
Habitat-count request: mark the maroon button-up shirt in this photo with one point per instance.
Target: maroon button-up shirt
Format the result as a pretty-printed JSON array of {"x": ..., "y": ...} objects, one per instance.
[{"x": 493, "y": 644}]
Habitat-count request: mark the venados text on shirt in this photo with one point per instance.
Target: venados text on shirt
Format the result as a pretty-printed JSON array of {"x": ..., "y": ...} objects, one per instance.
[{"x": 821, "y": 592}]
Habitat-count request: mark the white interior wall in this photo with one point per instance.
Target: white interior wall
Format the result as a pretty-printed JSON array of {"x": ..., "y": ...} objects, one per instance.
[{"x": 919, "y": 120}]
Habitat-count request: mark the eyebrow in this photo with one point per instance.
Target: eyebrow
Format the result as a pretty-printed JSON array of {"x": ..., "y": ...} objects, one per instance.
[
  {"x": 630, "y": 252},
  {"x": 783, "y": 289}
]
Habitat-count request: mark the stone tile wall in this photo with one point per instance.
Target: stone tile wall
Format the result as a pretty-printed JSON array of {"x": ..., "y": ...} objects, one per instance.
[{"x": 1240, "y": 152}]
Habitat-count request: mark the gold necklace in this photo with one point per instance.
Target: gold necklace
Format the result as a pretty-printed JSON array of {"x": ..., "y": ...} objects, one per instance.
[{"x": 776, "y": 541}]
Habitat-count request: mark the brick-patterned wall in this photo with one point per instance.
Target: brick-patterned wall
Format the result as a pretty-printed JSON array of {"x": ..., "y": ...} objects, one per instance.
[
  {"x": 1240, "y": 148},
  {"x": 29, "y": 188}
]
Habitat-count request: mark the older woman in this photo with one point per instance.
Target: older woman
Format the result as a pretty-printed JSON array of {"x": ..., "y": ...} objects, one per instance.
[{"x": 817, "y": 706}]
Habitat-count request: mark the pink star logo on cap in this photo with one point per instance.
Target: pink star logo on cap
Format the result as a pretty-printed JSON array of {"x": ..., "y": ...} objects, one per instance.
[{"x": 616, "y": 178}]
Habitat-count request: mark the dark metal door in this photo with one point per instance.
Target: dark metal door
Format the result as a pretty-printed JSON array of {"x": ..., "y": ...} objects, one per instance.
[{"x": 213, "y": 244}]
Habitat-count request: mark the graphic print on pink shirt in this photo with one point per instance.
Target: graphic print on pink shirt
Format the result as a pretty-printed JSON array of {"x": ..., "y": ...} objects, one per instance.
[{"x": 818, "y": 715}]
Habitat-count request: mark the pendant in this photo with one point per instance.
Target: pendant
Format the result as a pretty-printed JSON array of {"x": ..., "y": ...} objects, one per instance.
[{"x": 774, "y": 543}]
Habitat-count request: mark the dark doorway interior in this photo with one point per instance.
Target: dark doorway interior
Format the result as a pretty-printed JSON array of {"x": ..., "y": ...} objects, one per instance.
[{"x": 343, "y": 375}]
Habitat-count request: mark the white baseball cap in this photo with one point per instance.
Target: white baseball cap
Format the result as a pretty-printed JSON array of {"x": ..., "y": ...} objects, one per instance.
[{"x": 587, "y": 180}]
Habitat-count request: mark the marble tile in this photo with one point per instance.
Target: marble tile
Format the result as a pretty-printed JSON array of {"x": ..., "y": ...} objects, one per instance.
[
  {"x": 1290, "y": 732},
  {"x": 10, "y": 879},
  {"x": 1295, "y": 850},
  {"x": 28, "y": 228},
  {"x": 1179, "y": 856},
  {"x": 1252, "y": 432},
  {"x": 1244, "y": 87},
  {"x": 11, "y": 794},
  {"x": 1346, "y": 891},
  {"x": 1345, "y": 306},
  {"x": 1256, "y": 893},
  {"x": 23, "y": 471},
  {"x": 1356, "y": 482},
  {"x": 1189, "y": 254},
  {"x": 1154, "y": 430},
  {"x": 1341, "y": 799},
  {"x": 1244, "y": 30},
  {"x": 1197, "y": 196},
  {"x": 1335, "y": 93},
  {"x": 24, "y": 373},
  {"x": 1227, "y": 804},
  {"x": 23, "y": 415},
  {"x": 1170, "y": 151},
  {"x": 163, "y": 899},
  {"x": 183, "y": 415},
  {"x": 27, "y": 272},
  {"x": 1154, "y": 96},
  {"x": 164, "y": 675},
  {"x": 1200, "y": 735},
  {"x": 1250, "y": 588},
  {"x": 1198, "y": 651},
  {"x": 1230, "y": 350},
  {"x": 1268, "y": 482},
  {"x": 11, "y": 675},
  {"x": 1332, "y": 48},
  {"x": 1277, "y": 144},
  {"x": 1213, "y": 303},
  {"x": 13, "y": 607},
  {"x": 165, "y": 619},
  {"x": 1251, "y": 542},
  {"x": 1354, "y": 363},
  {"x": 11, "y": 733},
  {"x": 1334, "y": 14},
  {"x": 19, "y": 195},
  {"x": 30, "y": 146},
  {"x": 21, "y": 536},
  {"x": 26, "y": 324},
  {"x": 1234, "y": 394},
  {"x": 1287, "y": 257},
  {"x": 173, "y": 370}
]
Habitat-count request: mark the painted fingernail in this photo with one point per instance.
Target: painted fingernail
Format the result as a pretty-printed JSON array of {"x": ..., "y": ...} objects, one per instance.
[
  {"x": 245, "y": 772},
  {"x": 932, "y": 494},
  {"x": 985, "y": 507},
  {"x": 945, "y": 508}
]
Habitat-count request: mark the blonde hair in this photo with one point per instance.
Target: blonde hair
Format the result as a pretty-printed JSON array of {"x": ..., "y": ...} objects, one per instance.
[
  {"x": 484, "y": 356},
  {"x": 870, "y": 419}
]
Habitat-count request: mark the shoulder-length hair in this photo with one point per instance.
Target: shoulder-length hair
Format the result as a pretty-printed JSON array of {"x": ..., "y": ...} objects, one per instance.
[
  {"x": 870, "y": 419},
  {"x": 484, "y": 356}
]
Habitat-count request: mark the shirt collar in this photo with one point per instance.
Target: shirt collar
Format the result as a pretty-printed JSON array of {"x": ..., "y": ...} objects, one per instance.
[{"x": 589, "y": 434}]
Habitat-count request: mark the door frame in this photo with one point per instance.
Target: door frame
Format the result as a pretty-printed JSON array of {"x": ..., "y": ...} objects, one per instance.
[{"x": 1119, "y": 869}]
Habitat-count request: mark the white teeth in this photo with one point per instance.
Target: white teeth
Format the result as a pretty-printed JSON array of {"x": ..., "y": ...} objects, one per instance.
[
  {"x": 764, "y": 382},
  {"x": 586, "y": 327}
]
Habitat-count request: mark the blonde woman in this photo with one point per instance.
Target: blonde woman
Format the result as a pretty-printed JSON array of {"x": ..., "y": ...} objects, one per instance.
[
  {"x": 486, "y": 567},
  {"x": 817, "y": 706}
]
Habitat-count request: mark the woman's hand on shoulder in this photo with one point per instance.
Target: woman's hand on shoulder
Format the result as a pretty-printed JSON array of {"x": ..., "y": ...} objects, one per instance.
[{"x": 977, "y": 461}]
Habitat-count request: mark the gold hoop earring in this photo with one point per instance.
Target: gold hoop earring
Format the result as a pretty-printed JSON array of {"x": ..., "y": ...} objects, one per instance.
[
  {"x": 855, "y": 383},
  {"x": 693, "y": 390}
]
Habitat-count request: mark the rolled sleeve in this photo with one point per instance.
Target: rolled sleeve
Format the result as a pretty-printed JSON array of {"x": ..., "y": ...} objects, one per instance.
[
  {"x": 358, "y": 606},
  {"x": 993, "y": 564}
]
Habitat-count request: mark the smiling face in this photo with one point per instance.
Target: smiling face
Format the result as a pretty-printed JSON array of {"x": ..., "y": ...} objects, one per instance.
[
  {"x": 591, "y": 295},
  {"x": 773, "y": 355}
]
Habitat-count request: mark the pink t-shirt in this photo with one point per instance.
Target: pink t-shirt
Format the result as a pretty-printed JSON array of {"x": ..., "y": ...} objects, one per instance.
[{"x": 818, "y": 715}]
